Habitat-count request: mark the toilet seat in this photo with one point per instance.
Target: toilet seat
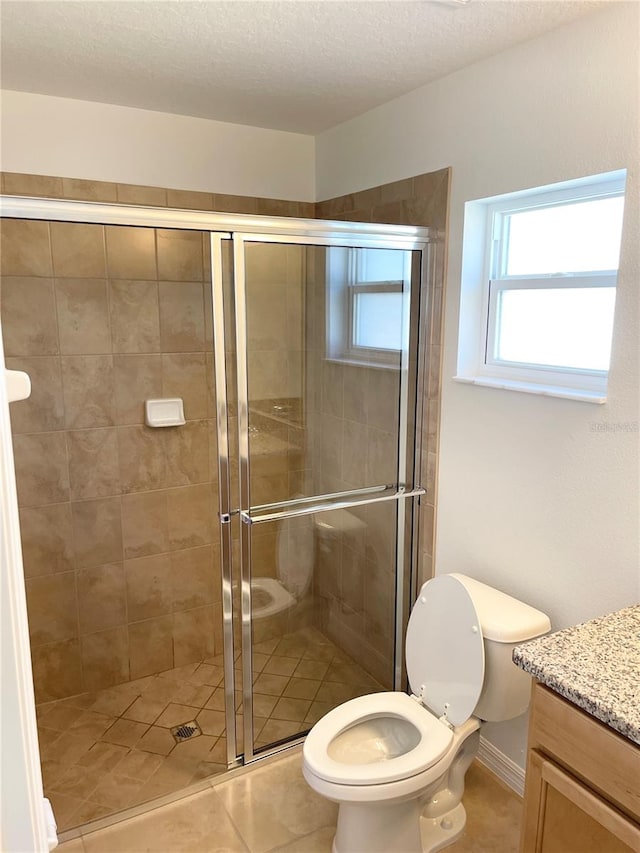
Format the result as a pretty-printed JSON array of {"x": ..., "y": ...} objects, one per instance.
[{"x": 422, "y": 740}]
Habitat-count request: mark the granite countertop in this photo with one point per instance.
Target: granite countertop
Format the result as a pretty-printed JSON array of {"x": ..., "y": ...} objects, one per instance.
[{"x": 595, "y": 665}]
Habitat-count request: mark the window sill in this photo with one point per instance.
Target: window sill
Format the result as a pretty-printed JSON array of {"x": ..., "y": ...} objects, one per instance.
[
  {"x": 352, "y": 362},
  {"x": 582, "y": 396}
]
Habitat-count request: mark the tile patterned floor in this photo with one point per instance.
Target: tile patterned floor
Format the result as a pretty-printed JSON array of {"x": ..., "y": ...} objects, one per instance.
[
  {"x": 106, "y": 751},
  {"x": 271, "y": 808}
]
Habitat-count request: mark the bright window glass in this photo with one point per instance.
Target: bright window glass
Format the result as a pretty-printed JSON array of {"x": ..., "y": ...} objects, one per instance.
[
  {"x": 580, "y": 237},
  {"x": 539, "y": 277},
  {"x": 556, "y": 327},
  {"x": 378, "y": 320},
  {"x": 378, "y": 265}
]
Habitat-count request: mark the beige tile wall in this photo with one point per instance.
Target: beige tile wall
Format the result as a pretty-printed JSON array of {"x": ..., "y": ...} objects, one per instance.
[
  {"x": 118, "y": 519},
  {"x": 45, "y": 186},
  {"x": 275, "y": 322}
]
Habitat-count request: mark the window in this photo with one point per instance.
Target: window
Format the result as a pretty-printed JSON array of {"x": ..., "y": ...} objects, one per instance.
[
  {"x": 543, "y": 305},
  {"x": 367, "y": 317}
]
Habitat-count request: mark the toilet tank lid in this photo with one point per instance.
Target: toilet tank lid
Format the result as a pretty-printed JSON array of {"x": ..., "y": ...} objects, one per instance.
[
  {"x": 504, "y": 619},
  {"x": 338, "y": 521}
]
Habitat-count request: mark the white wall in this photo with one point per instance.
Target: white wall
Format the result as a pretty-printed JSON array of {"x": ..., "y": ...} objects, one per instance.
[
  {"x": 531, "y": 498},
  {"x": 43, "y": 135}
]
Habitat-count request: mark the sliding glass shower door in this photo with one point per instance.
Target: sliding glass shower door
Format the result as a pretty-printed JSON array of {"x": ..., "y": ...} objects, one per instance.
[{"x": 325, "y": 414}]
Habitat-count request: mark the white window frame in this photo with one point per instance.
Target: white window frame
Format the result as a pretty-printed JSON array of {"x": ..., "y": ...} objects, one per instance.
[
  {"x": 484, "y": 278},
  {"x": 344, "y": 282}
]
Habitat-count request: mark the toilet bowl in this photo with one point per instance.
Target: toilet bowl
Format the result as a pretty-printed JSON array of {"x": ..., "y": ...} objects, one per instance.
[
  {"x": 395, "y": 763},
  {"x": 294, "y": 567}
]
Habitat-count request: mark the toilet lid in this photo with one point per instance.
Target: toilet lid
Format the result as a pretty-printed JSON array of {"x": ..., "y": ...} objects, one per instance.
[
  {"x": 295, "y": 554},
  {"x": 445, "y": 650}
]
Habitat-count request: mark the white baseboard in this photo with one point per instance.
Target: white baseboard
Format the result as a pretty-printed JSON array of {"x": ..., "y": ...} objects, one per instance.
[{"x": 504, "y": 768}]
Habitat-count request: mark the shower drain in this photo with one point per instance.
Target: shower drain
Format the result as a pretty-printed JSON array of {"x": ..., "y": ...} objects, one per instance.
[{"x": 185, "y": 731}]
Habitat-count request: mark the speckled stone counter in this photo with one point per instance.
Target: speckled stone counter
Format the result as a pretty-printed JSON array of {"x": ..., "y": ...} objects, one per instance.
[{"x": 595, "y": 665}]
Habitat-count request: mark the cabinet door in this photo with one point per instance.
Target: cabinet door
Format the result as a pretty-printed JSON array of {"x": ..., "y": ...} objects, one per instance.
[{"x": 564, "y": 816}]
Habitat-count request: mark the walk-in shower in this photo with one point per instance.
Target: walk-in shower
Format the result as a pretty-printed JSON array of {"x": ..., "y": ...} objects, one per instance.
[{"x": 200, "y": 593}]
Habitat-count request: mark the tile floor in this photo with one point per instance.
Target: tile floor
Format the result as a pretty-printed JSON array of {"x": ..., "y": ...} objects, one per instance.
[
  {"x": 106, "y": 751},
  {"x": 271, "y": 808}
]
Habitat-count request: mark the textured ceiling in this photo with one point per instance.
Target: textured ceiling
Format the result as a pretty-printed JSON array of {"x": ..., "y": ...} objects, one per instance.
[{"x": 298, "y": 65}]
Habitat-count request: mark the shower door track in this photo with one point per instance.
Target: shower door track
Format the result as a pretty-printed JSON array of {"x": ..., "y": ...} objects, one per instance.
[
  {"x": 261, "y": 227},
  {"x": 266, "y": 229}
]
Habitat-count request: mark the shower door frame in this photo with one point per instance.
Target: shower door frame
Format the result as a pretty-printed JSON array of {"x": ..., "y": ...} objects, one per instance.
[{"x": 242, "y": 229}]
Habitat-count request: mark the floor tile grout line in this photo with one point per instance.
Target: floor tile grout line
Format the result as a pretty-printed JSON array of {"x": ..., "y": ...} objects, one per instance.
[{"x": 182, "y": 675}]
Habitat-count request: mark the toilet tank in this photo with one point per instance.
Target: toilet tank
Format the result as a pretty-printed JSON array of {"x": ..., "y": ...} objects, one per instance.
[
  {"x": 337, "y": 525},
  {"x": 505, "y": 623}
]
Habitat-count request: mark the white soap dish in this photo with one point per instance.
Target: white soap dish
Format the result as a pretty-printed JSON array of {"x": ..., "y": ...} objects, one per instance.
[
  {"x": 164, "y": 413},
  {"x": 18, "y": 385}
]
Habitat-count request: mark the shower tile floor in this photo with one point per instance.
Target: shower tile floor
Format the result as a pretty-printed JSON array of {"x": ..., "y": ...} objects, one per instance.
[{"x": 110, "y": 750}]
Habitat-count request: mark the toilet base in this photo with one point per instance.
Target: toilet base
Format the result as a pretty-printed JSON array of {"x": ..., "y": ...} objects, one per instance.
[
  {"x": 379, "y": 827},
  {"x": 438, "y": 833},
  {"x": 396, "y": 828}
]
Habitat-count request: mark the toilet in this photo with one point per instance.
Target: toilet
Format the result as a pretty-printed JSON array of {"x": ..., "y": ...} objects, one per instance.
[
  {"x": 294, "y": 567},
  {"x": 296, "y": 558},
  {"x": 395, "y": 763}
]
